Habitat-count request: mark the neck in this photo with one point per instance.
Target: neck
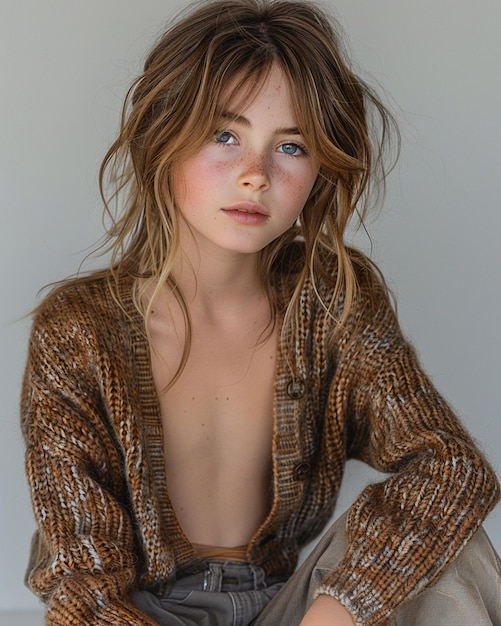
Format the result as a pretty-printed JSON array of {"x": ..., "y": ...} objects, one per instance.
[{"x": 219, "y": 282}]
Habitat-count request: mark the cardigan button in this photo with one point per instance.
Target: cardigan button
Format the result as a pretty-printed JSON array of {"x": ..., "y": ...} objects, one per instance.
[
  {"x": 296, "y": 389},
  {"x": 302, "y": 471}
]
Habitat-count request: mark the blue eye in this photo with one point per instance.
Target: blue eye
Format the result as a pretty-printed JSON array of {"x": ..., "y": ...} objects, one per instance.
[
  {"x": 225, "y": 138},
  {"x": 293, "y": 149}
]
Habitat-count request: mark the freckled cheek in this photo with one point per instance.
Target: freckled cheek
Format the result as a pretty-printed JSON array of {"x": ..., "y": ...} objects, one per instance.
[
  {"x": 297, "y": 183},
  {"x": 216, "y": 171},
  {"x": 200, "y": 180}
]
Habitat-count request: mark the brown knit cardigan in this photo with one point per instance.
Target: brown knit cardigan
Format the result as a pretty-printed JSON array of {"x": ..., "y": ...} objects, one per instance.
[{"x": 94, "y": 461}]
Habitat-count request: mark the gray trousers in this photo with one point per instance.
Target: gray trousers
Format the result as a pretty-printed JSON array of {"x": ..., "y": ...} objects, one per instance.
[{"x": 229, "y": 593}]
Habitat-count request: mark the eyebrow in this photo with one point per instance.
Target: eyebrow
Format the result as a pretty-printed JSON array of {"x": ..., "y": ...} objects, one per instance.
[{"x": 240, "y": 119}]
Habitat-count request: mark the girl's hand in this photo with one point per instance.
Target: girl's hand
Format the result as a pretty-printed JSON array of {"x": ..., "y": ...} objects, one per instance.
[{"x": 327, "y": 611}]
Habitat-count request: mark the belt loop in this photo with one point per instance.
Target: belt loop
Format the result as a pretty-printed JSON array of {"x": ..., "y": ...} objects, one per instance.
[
  {"x": 212, "y": 577},
  {"x": 254, "y": 572},
  {"x": 260, "y": 576},
  {"x": 207, "y": 579}
]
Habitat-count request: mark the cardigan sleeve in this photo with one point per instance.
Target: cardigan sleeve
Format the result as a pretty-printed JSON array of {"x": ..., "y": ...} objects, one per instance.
[
  {"x": 402, "y": 532},
  {"x": 83, "y": 561}
]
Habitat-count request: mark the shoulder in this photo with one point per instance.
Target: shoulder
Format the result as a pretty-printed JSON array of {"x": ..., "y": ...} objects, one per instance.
[
  {"x": 85, "y": 309},
  {"x": 371, "y": 293},
  {"x": 324, "y": 301},
  {"x": 91, "y": 296}
]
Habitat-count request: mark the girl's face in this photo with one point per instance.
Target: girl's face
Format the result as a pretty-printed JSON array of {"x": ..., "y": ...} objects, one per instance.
[{"x": 249, "y": 183}]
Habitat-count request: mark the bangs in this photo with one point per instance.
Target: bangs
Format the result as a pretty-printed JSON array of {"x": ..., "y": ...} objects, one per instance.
[
  {"x": 221, "y": 88},
  {"x": 243, "y": 89}
]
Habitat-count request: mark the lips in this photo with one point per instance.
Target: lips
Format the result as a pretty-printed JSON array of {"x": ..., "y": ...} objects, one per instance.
[
  {"x": 247, "y": 207},
  {"x": 247, "y": 213}
]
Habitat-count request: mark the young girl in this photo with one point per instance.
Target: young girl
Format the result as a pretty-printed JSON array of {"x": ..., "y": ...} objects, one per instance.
[{"x": 188, "y": 412}]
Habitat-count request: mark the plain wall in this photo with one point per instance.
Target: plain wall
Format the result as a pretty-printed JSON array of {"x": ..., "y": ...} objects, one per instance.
[{"x": 65, "y": 69}]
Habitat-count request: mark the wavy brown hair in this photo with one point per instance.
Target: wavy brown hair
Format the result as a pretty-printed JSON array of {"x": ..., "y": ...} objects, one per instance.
[{"x": 173, "y": 108}]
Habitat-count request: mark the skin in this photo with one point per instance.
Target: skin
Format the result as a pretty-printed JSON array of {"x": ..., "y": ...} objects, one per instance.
[
  {"x": 327, "y": 611},
  {"x": 258, "y": 158},
  {"x": 237, "y": 194}
]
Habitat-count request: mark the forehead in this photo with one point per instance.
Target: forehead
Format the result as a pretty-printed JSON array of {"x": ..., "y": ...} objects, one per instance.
[{"x": 268, "y": 89}]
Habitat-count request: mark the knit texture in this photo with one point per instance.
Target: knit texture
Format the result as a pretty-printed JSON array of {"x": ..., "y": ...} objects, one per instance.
[{"x": 95, "y": 465}]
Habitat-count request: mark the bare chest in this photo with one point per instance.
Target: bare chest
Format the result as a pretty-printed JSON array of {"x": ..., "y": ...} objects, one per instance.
[
  {"x": 223, "y": 398},
  {"x": 217, "y": 423}
]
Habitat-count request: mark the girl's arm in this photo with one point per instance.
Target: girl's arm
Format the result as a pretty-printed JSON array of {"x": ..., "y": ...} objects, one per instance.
[
  {"x": 403, "y": 532},
  {"x": 327, "y": 611},
  {"x": 83, "y": 559}
]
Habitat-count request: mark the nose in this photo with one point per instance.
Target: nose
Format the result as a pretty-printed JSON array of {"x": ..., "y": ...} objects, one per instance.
[{"x": 254, "y": 173}]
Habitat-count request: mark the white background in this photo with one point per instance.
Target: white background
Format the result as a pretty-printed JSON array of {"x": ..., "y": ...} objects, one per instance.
[{"x": 65, "y": 68}]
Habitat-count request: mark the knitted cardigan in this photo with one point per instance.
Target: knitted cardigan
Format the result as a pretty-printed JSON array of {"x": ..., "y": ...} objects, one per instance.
[{"x": 91, "y": 422}]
